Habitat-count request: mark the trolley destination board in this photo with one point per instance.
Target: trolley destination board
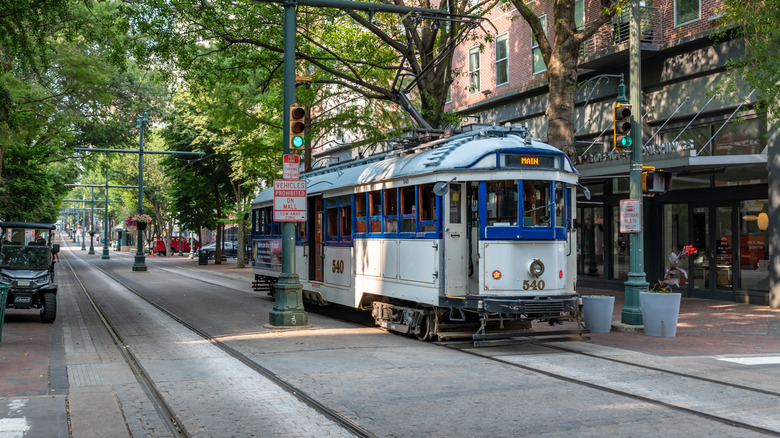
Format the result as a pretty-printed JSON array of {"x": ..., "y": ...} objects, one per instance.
[{"x": 289, "y": 200}]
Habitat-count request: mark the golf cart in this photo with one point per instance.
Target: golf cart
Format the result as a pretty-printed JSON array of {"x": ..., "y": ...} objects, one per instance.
[{"x": 27, "y": 267}]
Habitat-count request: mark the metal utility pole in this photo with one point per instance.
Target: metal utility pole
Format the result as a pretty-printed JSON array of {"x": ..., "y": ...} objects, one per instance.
[
  {"x": 288, "y": 300},
  {"x": 632, "y": 313}
]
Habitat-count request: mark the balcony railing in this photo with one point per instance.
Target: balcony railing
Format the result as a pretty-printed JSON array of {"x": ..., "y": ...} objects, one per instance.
[{"x": 617, "y": 32}]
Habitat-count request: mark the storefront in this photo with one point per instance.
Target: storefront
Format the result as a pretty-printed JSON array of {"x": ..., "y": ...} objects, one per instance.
[{"x": 718, "y": 204}]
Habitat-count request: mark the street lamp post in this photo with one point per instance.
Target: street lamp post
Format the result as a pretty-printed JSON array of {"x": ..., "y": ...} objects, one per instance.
[
  {"x": 84, "y": 225},
  {"x": 92, "y": 222},
  {"x": 106, "y": 255},
  {"x": 140, "y": 259}
]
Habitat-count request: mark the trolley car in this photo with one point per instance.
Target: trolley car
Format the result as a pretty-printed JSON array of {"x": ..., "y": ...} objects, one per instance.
[{"x": 471, "y": 234}]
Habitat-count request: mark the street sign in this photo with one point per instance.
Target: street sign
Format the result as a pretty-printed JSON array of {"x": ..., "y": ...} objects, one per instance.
[
  {"x": 631, "y": 216},
  {"x": 291, "y": 166},
  {"x": 289, "y": 200}
]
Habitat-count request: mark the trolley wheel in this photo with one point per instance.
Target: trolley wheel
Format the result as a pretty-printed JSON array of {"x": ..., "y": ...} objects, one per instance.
[
  {"x": 49, "y": 310},
  {"x": 425, "y": 324}
]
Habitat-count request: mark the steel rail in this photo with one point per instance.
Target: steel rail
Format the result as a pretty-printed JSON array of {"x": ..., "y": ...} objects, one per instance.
[
  {"x": 290, "y": 388},
  {"x": 173, "y": 424}
]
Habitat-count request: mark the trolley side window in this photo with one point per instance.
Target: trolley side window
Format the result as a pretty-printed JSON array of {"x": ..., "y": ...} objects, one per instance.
[
  {"x": 375, "y": 211},
  {"x": 391, "y": 210},
  {"x": 408, "y": 210},
  {"x": 361, "y": 220},
  {"x": 338, "y": 219},
  {"x": 427, "y": 208}
]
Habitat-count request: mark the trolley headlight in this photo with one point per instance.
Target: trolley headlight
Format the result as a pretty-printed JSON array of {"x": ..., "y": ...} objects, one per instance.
[{"x": 536, "y": 268}]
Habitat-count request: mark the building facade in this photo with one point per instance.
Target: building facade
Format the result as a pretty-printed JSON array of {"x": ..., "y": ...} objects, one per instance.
[{"x": 715, "y": 145}]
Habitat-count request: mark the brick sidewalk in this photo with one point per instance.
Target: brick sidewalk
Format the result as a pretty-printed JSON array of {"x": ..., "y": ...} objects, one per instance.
[{"x": 705, "y": 327}]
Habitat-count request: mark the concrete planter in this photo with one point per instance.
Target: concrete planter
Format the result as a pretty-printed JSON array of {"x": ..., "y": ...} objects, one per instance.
[
  {"x": 597, "y": 310},
  {"x": 659, "y": 313}
]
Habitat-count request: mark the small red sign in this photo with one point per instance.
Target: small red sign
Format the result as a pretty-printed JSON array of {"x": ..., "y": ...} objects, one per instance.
[{"x": 291, "y": 166}]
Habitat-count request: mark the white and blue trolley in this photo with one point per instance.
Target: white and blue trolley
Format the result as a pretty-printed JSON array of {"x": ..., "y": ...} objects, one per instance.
[{"x": 472, "y": 234}]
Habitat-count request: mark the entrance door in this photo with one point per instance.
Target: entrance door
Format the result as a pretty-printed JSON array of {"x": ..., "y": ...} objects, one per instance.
[
  {"x": 456, "y": 248},
  {"x": 712, "y": 267},
  {"x": 316, "y": 244}
]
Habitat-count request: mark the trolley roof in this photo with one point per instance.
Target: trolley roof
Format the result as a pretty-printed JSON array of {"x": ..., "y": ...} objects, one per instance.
[{"x": 475, "y": 152}]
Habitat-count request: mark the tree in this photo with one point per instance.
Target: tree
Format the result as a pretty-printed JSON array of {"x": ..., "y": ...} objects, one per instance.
[
  {"x": 358, "y": 52},
  {"x": 561, "y": 56},
  {"x": 758, "y": 67}
]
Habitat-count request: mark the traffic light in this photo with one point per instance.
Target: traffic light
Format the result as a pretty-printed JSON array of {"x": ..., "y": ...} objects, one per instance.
[
  {"x": 656, "y": 181},
  {"x": 622, "y": 127},
  {"x": 297, "y": 127}
]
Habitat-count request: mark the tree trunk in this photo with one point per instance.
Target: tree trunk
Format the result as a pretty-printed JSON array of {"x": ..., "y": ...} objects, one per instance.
[{"x": 562, "y": 79}]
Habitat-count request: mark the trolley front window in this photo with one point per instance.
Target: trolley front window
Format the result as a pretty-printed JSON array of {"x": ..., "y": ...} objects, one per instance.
[{"x": 524, "y": 209}]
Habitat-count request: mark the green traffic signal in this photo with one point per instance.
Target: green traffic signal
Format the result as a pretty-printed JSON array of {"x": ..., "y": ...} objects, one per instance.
[
  {"x": 297, "y": 141},
  {"x": 626, "y": 142}
]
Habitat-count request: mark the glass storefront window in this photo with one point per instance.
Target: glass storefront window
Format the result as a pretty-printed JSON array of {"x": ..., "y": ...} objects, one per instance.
[
  {"x": 742, "y": 175},
  {"x": 621, "y": 250},
  {"x": 741, "y": 137},
  {"x": 591, "y": 242},
  {"x": 754, "y": 245},
  {"x": 699, "y": 136},
  {"x": 675, "y": 235}
]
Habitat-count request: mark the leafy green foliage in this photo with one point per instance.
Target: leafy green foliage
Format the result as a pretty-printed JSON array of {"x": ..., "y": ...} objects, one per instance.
[{"x": 757, "y": 23}]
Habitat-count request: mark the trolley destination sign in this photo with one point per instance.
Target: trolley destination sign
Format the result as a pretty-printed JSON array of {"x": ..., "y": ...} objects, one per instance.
[{"x": 289, "y": 200}]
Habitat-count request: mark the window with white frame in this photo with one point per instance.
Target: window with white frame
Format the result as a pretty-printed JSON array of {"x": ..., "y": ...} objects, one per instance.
[
  {"x": 449, "y": 94},
  {"x": 536, "y": 52},
  {"x": 686, "y": 11},
  {"x": 502, "y": 60},
  {"x": 474, "y": 70}
]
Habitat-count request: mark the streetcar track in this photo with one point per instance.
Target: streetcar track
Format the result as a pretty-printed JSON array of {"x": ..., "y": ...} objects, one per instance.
[
  {"x": 158, "y": 401},
  {"x": 232, "y": 352},
  {"x": 723, "y": 420},
  {"x": 463, "y": 347}
]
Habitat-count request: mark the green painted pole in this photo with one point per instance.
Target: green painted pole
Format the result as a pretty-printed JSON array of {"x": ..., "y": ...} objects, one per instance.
[
  {"x": 105, "y": 255},
  {"x": 288, "y": 294},
  {"x": 92, "y": 221},
  {"x": 84, "y": 224},
  {"x": 140, "y": 259},
  {"x": 632, "y": 313}
]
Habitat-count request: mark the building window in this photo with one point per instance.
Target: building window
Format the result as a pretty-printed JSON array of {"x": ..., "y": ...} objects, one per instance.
[
  {"x": 538, "y": 61},
  {"x": 502, "y": 61},
  {"x": 686, "y": 11},
  {"x": 474, "y": 70},
  {"x": 449, "y": 94},
  {"x": 579, "y": 13}
]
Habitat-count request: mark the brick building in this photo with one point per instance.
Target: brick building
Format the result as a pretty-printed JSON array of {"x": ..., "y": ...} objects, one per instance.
[{"x": 714, "y": 145}]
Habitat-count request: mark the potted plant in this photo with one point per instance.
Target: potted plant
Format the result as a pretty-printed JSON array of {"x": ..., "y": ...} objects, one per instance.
[
  {"x": 660, "y": 306},
  {"x": 138, "y": 220}
]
